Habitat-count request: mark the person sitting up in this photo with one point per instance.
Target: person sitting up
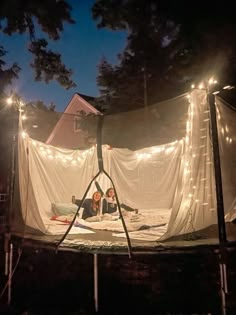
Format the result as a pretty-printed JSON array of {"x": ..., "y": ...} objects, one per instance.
[
  {"x": 109, "y": 204},
  {"x": 92, "y": 208}
]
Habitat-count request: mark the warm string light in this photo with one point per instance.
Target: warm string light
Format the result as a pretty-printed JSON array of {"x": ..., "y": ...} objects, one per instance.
[
  {"x": 228, "y": 87},
  {"x": 212, "y": 81},
  {"x": 24, "y": 134},
  {"x": 149, "y": 152},
  {"x": 48, "y": 153},
  {"x": 51, "y": 153},
  {"x": 205, "y": 84},
  {"x": 197, "y": 151},
  {"x": 187, "y": 158},
  {"x": 9, "y": 100},
  {"x": 207, "y": 158},
  {"x": 201, "y": 86},
  {"x": 224, "y": 129},
  {"x": 188, "y": 139},
  {"x": 192, "y": 152},
  {"x": 14, "y": 100}
]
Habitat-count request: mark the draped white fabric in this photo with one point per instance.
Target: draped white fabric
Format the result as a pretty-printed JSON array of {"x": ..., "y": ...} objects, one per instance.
[
  {"x": 194, "y": 207},
  {"x": 226, "y": 118},
  {"x": 177, "y": 176}
]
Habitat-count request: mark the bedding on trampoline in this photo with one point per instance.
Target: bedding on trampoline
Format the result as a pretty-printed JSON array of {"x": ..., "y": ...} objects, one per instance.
[{"x": 144, "y": 220}]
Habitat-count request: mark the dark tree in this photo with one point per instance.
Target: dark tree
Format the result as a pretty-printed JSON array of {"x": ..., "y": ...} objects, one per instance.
[
  {"x": 207, "y": 31},
  {"x": 170, "y": 44},
  {"x": 31, "y": 18},
  {"x": 143, "y": 74},
  {"x": 7, "y": 74},
  {"x": 38, "y": 105},
  {"x": 52, "y": 107}
]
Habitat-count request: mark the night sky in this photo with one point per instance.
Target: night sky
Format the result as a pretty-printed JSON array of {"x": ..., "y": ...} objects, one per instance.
[{"x": 82, "y": 46}]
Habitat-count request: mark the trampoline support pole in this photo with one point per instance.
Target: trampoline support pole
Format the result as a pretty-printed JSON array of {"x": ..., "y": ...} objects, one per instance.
[
  {"x": 95, "y": 270},
  {"x": 217, "y": 169},
  {"x": 6, "y": 250},
  {"x": 10, "y": 275},
  {"x": 6, "y": 263},
  {"x": 219, "y": 202},
  {"x": 224, "y": 286}
]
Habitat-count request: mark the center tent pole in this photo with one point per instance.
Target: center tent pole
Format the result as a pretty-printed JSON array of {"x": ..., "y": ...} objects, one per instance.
[{"x": 101, "y": 170}]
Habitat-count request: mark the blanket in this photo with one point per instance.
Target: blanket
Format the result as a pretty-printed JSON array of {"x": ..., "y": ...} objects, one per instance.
[{"x": 144, "y": 220}]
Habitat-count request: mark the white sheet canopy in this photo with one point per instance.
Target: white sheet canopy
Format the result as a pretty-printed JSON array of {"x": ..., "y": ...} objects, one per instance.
[{"x": 177, "y": 176}]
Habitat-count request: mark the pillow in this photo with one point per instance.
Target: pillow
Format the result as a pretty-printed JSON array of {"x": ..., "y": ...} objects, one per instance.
[{"x": 64, "y": 208}]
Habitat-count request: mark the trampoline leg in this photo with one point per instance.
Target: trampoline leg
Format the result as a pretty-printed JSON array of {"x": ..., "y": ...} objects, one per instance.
[
  {"x": 95, "y": 272},
  {"x": 6, "y": 249},
  {"x": 6, "y": 263},
  {"x": 223, "y": 286},
  {"x": 10, "y": 275}
]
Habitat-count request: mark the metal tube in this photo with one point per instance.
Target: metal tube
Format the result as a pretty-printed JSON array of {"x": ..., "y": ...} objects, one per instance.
[
  {"x": 219, "y": 202},
  {"x": 10, "y": 275},
  {"x": 95, "y": 270},
  {"x": 6, "y": 250},
  {"x": 217, "y": 169},
  {"x": 6, "y": 263},
  {"x": 222, "y": 290},
  {"x": 225, "y": 278}
]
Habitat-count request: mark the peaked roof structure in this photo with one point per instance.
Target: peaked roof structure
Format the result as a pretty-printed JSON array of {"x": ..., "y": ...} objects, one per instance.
[{"x": 66, "y": 133}]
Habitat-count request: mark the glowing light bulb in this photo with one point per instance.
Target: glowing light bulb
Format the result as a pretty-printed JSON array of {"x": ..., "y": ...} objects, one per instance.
[
  {"x": 24, "y": 134},
  {"x": 9, "y": 100},
  {"x": 211, "y": 81}
]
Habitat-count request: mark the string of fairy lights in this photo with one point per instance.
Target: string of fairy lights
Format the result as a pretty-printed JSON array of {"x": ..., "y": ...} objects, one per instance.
[
  {"x": 77, "y": 157},
  {"x": 148, "y": 153},
  {"x": 196, "y": 187},
  {"x": 198, "y": 192},
  {"x": 204, "y": 149},
  {"x": 52, "y": 154},
  {"x": 225, "y": 131}
]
